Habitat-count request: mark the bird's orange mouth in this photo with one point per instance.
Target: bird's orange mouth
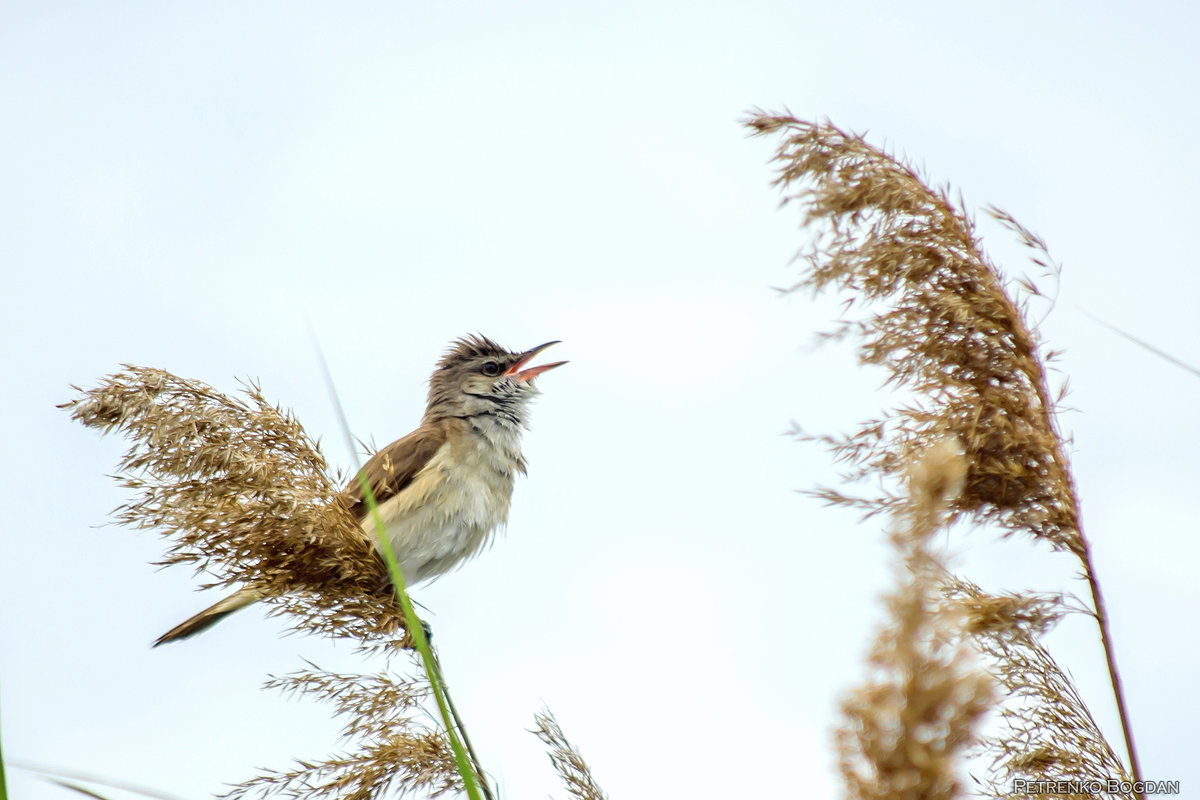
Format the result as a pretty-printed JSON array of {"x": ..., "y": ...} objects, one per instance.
[{"x": 527, "y": 375}]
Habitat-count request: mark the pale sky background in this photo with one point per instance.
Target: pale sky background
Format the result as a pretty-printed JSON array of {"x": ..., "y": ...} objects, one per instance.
[{"x": 189, "y": 185}]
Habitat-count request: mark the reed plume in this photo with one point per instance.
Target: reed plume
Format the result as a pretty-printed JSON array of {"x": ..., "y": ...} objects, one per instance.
[
  {"x": 937, "y": 317},
  {"x": 944, "y": 329},
  {"x": 1046, "y": 731},
  {"x": 567, "y": 760},
  {"x": 395, "y": 749},
  {"x": 243, "y": 496},
  {"x": 905, "y": 731}
]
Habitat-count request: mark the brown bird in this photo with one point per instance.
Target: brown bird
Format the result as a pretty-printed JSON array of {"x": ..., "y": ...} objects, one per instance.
[{"x": 444, "y": 489}]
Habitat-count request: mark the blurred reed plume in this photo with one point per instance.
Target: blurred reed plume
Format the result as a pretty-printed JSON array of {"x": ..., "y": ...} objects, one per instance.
[
  {"x": 244, "y": 496},
  {"x": 904, "y": 730},
  {"x": 937, "y": 317}
]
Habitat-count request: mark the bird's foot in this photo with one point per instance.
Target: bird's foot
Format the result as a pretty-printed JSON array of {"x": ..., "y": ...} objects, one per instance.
[{"x": 410, "y": 640}]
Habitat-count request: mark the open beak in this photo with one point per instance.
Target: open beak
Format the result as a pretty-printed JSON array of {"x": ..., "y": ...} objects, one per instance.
[{"x": 527, "y": 375}]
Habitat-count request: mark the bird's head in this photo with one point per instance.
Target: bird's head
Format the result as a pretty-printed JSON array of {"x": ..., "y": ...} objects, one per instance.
[{"x": 477, "y": 377}]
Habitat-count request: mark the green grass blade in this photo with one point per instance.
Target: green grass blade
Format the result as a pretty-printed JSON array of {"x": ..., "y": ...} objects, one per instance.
[
  {"x": 471, "y": 777},
  {"x": 3, "y": 785}
]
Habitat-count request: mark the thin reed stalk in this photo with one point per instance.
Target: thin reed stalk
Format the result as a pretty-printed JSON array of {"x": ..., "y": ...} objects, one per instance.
[
  {"x": 1114, "y": 675},
  {"x": 64, "y": 778}
]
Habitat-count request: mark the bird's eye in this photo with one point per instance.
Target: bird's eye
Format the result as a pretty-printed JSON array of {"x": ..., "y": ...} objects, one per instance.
[{"x": 491, "y": 368}]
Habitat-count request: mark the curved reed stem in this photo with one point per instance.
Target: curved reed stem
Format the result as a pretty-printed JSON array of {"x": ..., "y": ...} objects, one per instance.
[
  {"x": 462, "y": 730},
  {"x": 1114, "y": 676}
]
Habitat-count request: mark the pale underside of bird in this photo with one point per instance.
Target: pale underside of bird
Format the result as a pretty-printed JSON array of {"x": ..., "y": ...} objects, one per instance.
[{"x": 443, "y": 490}]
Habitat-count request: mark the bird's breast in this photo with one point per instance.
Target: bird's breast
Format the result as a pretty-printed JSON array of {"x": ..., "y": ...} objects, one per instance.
[{"x": 452, "y": 507}]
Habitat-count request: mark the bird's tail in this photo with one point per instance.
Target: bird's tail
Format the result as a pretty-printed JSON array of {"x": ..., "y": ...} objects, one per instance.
[{"x": 211, "y": 616}]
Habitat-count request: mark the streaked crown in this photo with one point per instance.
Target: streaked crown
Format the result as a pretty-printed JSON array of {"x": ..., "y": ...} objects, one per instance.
[{"x": 477, "y": 377}]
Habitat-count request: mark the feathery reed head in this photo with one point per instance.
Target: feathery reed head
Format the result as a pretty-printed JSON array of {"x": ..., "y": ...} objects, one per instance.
[
  {"x": 567, "y": 760},
  {"x": 1046, "y": 732},
  {"x": 397, "y": 750},
  {"x": 947, "y": 331},
  {"x": 245, "y": 497}
]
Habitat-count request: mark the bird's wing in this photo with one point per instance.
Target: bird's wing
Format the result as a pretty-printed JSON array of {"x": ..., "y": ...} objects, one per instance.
[{"x": 393, "y": 468}]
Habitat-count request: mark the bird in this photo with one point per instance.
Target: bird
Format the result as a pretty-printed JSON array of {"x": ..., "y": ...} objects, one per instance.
[{"x": 443, "y": 490}]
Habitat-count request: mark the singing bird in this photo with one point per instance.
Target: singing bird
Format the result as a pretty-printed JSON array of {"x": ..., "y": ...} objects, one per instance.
[{"x": 444, "y": 489}]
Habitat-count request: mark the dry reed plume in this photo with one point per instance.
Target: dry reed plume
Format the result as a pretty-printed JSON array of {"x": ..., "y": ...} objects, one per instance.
[
  {"x": 567, "y": 761},
  {"x": 396, "y": 748},
  {"x": 939, "y": 321},
  {"x": 244, "y": 496},
  {"x": 1046, "y": 731}
]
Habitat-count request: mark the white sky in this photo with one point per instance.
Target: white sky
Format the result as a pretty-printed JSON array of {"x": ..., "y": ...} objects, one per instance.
[{"x": 188, "y": 185}]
